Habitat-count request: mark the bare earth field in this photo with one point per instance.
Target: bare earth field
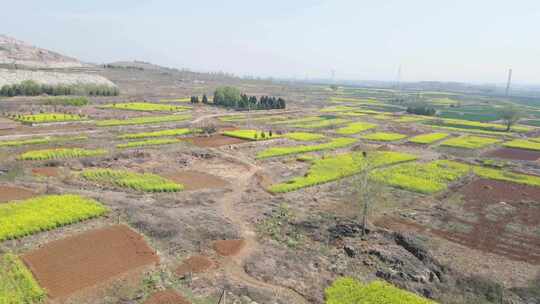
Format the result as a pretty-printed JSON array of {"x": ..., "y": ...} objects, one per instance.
[{"x": 66, "y": 266}]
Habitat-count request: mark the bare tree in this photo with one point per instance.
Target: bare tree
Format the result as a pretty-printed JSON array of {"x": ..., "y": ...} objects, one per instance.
[
  {"x": 510, "y": 115},
  {"x": 367, "y": 190}
]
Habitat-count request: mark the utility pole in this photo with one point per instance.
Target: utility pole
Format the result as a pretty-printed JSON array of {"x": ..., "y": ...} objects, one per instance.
[{"x": 508, "y": 82}]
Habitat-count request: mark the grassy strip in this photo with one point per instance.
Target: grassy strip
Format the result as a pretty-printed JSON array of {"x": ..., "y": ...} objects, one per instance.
[
  {"x": 350, "y": 291},
  {"x": 17, "y": 284},
  {"x": 148, "y": 142},
  {"x": 384, "y": 136},
  {"x": 335, "y": 143},
  {"x": 348, "y": 99},
  {"x": 299, "y": 120},
  {"x": 142, "y": 120},
  {"x": 22, "y": 218},
  {"x": 428, "y": 138},
  {"x": 146, "y": 182},
  {"x": 304, "y": 136},
  {"x": 60, "y": 153},
  {"x": 338, "y": 109},
  {"x": 47, "y": 117},
  {"x": 161, "y": 133},
  {"x": 507, "y": 176},
  {"x": 422, "y": 177},
  {"x": 408, "y": 119},
  {"x": 332, "y": 168},
  {"x": 523, "y": 144},
  {"x": 250, "y": 134},
  {"x": 40, "y": 141},
  {"x": 470, "y": 142},
  {"x": 67, "y": 101},
  {"x": 145, "y": 106},
  {"x": 321, "y": 123},
  {"x": 183, "y": 99},
  {"x": 475, "y": 125},
  {"x": 355, "y": 127}
]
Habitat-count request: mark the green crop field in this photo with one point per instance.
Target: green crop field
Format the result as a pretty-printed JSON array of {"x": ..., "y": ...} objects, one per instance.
[
  {"x": 160, "y": 133},
  {"x": 428, "y": 138},
  {"x": 349, "y": 291},
  {"x": 40, "y": 141},
  {"x": 17, "y": 285},
  {"x": 250, "y": 134},
  {"x": 409, "y": 119},
  {"x": 22, "y": 218},
  {"x": 353, "y": 100},
  {"x": 183, "y": 99},
  {"x": 321, "y": 123},
  {"x": 60, "y": 153},
  {"x": 422, "y": 177},
  {"x": 338, "y": 109},
  {"x": 507, "y": 176},
  {"x": 459, "y": 124},
  {"x": 304, "y": 136},
  {"x": 336, "y": 167},
  {"x": 470, "y": 142},
  {"x": 142, "y": 120},
  {"x": 149, "y": 142},
  {"x": 145, "y": 106},
  {"x": 384, "y": 136},
  {"x": 146, "y": 182},
  {"x": 523, "y": 144},
  {"x": 383, "y": 117},
  {"x": 335, "y": 143},
  {"x": 299, "y": 120},
  {"x": 47, "y": 117},
  {"x": 355, "y": 127}
]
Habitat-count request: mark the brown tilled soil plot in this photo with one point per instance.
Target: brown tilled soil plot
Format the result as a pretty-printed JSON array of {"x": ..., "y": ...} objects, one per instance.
[
  {"x": 166, "y": 297},
  {"x": 496, "y": 207},
  {"x": 193, "y": 180},
  {"x": 229, "y": 247},
  {"x": 194, "y": 264},
  {"x": 9, "y": 193},
  {"x": 213, "y": 141},
  {"x": 45, "y": 171},
  {"x": 516, "y": 154},
  {"x": 68, "y": 265}
]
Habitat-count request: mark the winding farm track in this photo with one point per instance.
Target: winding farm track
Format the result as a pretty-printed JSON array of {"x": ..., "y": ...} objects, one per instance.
[{"x": 234, "y": 265}]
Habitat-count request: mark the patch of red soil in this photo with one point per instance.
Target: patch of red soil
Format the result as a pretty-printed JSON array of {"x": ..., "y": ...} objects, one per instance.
[
  {"x": 9, "y": 193},
  {"x": 46, "y": 171},
  {"x": 193, "y": 180},
  {"x": 66, "y": 266},
  {"x": 228, "y": 247},
  {"x": 194, "y": 264},
  {"x": 488, "y": 232},
  {"x": 216, "y": 140},
  {"x": 166, "y": 297},
  {"x": 515, "y": 154}
]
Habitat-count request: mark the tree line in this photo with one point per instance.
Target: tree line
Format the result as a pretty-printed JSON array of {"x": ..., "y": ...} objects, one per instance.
[
  {"x": 231, "y": 97},
  {"x": 32, "y": 88}
]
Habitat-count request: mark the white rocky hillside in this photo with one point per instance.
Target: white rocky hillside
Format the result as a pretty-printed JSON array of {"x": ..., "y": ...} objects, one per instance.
[
  {"x": 9, "y": 77},
  {"x": 16, "y": 52},
  {"x": 20, "y": 61}
]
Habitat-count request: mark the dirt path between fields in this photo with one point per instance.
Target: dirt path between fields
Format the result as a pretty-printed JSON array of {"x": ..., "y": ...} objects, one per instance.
[{"x": 234, "y": 265}]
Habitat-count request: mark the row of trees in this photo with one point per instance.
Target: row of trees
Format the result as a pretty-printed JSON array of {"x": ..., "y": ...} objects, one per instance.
[
  {"x": 32, "y": 88},
  {"x": 421, "y": 109},
  {"x": 231, "y": 97},
  {"x": 195, "y": 99}
]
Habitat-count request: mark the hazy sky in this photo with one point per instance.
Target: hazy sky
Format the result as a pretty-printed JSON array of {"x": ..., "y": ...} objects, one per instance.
[{"x": 456, "y": 40}]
